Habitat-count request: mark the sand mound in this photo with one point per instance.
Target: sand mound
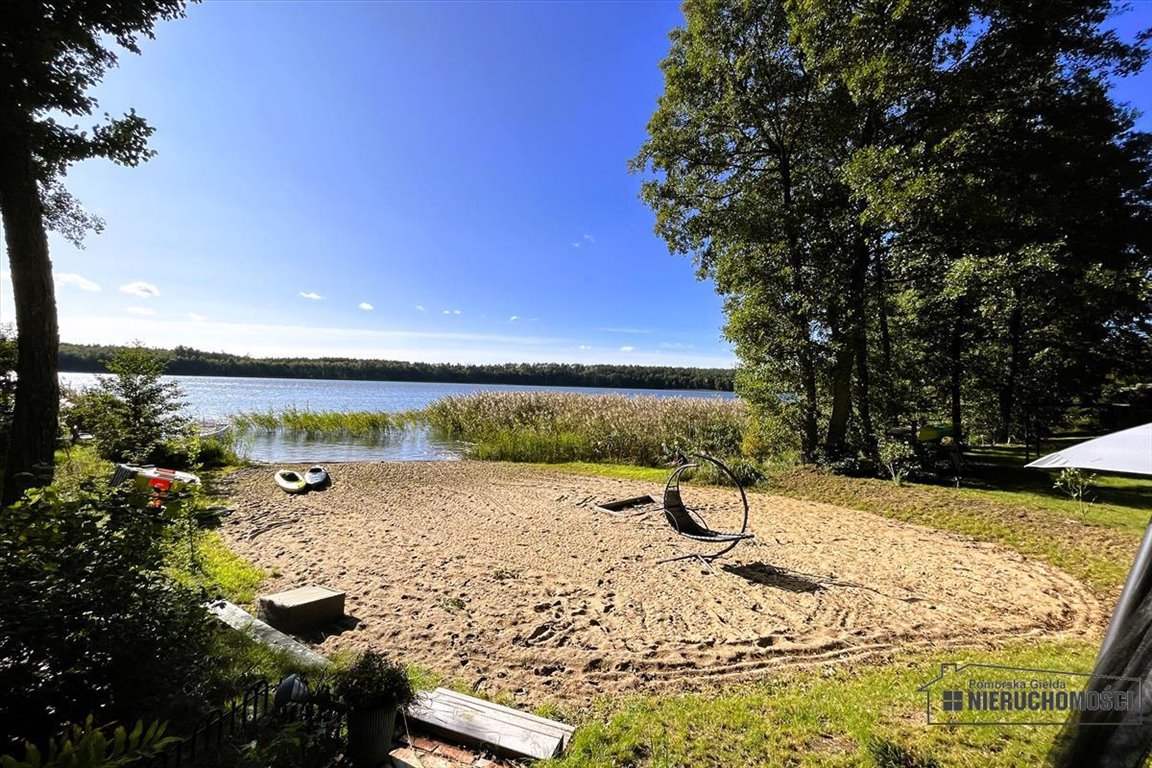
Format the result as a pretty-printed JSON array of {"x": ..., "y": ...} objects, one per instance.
[{"x": 507, "y": 577}]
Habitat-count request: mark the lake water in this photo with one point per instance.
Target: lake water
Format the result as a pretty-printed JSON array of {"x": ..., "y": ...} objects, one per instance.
[{"x": 217, "y": 397}]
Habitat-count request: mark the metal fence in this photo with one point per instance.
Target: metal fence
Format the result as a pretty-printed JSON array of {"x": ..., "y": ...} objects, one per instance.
[{"x": 240, "y": 719}]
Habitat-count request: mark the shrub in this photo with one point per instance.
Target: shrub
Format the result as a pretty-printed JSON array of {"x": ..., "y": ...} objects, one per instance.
[
  {"x": 897, "y": 458},
  {"x": 371, "y": 681},
  {"x": 1075, "y": 483},
  {"x": 90, "y": 624},
  {"x": 86, "y": 746},
  {"x": 133, "y": 412}
]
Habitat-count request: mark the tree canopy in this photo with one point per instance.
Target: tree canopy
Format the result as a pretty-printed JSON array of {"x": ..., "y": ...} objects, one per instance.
[
  {"x": 52, "y": 52},
  {"x": 920, "y": 211}
]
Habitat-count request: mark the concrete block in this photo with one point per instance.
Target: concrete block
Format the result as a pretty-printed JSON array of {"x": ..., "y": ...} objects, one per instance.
[{"x": 299, "y": 610}]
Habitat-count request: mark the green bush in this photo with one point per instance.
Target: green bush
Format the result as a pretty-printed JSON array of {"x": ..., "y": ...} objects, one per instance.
[
  {"x": 86, "y": 746},
  {"x": 372, "y": 681},
  {"x": 134, "y": 415},
  {"x": 90, "y": 624}
]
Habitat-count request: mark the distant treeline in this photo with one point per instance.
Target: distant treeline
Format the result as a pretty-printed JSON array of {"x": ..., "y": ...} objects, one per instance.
[{"x": 185, "y": 361}]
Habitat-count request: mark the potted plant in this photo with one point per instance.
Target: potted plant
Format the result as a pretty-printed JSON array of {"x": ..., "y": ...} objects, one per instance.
[{"x": 373, "y": 688}]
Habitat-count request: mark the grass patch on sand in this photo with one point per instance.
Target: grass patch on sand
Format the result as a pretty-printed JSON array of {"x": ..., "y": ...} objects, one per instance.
[
  {"x": 219, "y": 571},
  {"x": 837, "y": 717}
]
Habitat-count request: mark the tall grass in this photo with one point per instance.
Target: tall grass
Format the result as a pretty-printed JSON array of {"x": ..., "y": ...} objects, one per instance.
[
  {"x": 563, "y": 426},
  {"x": 322, "y": 423}
]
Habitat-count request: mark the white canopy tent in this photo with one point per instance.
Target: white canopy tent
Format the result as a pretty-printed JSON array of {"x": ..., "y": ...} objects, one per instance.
[
  {"x": 1115, "y": 741},
  {"x": 1128, "y": 451}
]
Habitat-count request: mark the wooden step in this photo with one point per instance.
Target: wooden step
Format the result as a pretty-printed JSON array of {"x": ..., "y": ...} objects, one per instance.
[{"x": 505, "y": 731}]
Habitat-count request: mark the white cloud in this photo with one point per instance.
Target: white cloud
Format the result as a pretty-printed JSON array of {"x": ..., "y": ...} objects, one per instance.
[
  {"x": 366, "y": 306},
  {"x": 311, "y": 295},
  {"x": 627, "y": 349},
  {"x": 585, "y": 347},
  {"x": 514, "y": 318},
  {"x": 81, "y": 282},
  {"x": 147, "y": 311},
  {"x": 419, "y": 308},
  {"x": 140, "y": 288},
  {"x": 576, "y": 243},
  {"x": 589, "y": 239},
  {"x": 451, "y": 311},
  {"x": 196, "y": 318}
]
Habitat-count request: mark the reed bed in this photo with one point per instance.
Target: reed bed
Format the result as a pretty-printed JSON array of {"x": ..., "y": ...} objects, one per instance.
[
  {"x": 294, "y": 421},
  {"x": 561, "y": 426}
]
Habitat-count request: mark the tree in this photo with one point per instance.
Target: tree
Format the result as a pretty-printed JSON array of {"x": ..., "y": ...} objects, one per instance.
[
  {"x": 133, "y": 412},
  {"x": 1014, "y": 198},
  {"x": 748, "y": 145},
  {"x": 51, "y": 53},
  {"x": 914, "y": 210}
]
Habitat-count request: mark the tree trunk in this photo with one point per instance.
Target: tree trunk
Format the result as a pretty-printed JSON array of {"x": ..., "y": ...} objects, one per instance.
[
  {"x": 808, "y": 403},
  {"x": 834, "y": 441},
  {"x": 1008, "y": 386},
  {"x": 956, "y": 368},
  {"x": 32, "y": 446},
  {"x": 859, "y": 314}
]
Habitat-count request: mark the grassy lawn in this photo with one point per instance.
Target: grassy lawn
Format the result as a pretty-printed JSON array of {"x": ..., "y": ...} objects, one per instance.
[{"x": 865, "y": 716}]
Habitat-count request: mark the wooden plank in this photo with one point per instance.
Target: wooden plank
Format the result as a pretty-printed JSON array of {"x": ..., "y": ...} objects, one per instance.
[
  {"x": 469, "y": 724},
  {"x": 509, "y": 715}
]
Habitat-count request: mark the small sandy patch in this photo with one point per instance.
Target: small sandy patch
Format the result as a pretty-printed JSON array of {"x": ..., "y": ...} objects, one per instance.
[{"x": 507, "y": 577}]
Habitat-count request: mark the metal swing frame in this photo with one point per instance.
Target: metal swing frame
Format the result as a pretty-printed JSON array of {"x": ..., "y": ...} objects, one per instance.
[{"x": 684, "y": 520}]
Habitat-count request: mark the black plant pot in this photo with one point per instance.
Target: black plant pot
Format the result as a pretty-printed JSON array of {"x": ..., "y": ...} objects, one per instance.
[{"x": 370, "y": 733}]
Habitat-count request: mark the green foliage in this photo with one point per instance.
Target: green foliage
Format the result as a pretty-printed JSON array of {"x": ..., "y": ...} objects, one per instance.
[
  {"x": 286, "y": 745},
  {"x": 372, "y": 681},
  {"x": 134, "y": 414},
  {"x": 897, "y": 458},
  {"x": 86, "y": 746},
  {"x": 52, "y": 54},
  {"x": 200, "y": 560},
  {"x": 90, "y": 624},
  {"x": 563, "y": 427},
  {"x": 1076, "y": 483},
  {"x": 914, "y": 210},
  {"x": 238, "y": 661}
]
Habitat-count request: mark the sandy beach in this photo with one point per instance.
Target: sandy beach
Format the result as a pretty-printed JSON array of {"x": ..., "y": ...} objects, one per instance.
[{"x": 507, "y": 577}]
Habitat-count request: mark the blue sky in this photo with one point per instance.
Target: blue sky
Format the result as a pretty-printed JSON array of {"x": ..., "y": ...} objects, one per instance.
[{"x": 422, "y": 181}]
